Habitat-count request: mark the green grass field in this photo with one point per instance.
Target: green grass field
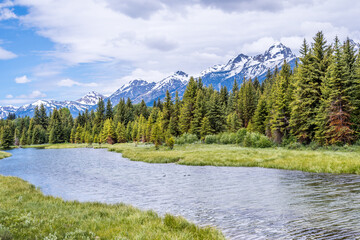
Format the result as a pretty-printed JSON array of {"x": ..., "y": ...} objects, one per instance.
[{"x": 25, "y": 213}]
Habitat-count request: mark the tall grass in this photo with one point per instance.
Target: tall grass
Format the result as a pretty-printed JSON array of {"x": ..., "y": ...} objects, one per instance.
[
  {"x": 310, "y": 159},
  {"x": 25, "y": 213},
  {"x": 322, "y": 160}
]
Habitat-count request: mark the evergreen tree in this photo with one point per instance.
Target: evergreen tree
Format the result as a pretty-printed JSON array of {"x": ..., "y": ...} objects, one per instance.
[
  {"x": 167, "y": 110},
  {"x": 206, "y": 128},
  {"x": 281, "y": 111},
  {"x": 215, "y": 114},
  {"x": 56, "y": 128},
  {"x": 260, "y": 116},
  {"x": 339, "y": 102},
  {"x": 109, "y": 111},
  {"x": 121, "y": 133},
  {"x": 43, "y": 117},
  {"x": 247, "y": 102},
  {"x": 199, "y": 113},
  {"x": 108, "y": 132},
  {"x": 7, "y": 138}
]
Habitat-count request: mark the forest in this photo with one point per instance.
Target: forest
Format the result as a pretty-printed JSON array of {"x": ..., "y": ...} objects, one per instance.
[{"x": 316, "y": 102}]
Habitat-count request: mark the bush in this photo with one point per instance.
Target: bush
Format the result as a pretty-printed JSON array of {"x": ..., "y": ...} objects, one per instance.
[
  {"x": 240, "y": 135},
  {"x": 210, "y": 139},
  {"x": 295, "y": 145},
  {"x": 170, "y": 142},
  {"x": 228, "y": 138},
  {"x": 186, "y": 138},
  {"x": 290, "y": 140},
  {"x": 256, "y": 140},
  {"x": 264, "y": 142}
]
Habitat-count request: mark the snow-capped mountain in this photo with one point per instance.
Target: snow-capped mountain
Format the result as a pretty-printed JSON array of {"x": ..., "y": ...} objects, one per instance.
[
  {"x": 74, "y": 107},
  {"x": 6, "y": 110},
  {"x": 91, "y": 98},
  {"x": 131, "y": 90},
  {"x": 249, "y": 67},
  {"x": 174, "y": 82},
  {"x": 219, "y": 75}
]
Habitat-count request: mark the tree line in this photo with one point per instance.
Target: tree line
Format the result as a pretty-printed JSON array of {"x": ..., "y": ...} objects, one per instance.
[{"x": 317, "y": 101}]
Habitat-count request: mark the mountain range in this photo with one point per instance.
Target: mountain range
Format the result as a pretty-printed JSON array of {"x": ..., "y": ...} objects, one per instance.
[{"x": 239, "y": 67}]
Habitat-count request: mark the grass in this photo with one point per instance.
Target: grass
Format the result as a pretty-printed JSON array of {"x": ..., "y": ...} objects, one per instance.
[
  {"x": 25, "y": 213},
  {"x": 4, "y": 155},
  {"x": 327, "y": 161},
  {"x": 339, "y": 161}
]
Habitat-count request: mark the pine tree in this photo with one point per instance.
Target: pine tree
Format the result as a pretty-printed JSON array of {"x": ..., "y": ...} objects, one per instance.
[
  {"x": 121, "y": 133},
  {"x": 281, "y": 111},
  {"x": 199, "y": 113},
  {"x": 156, "y": 135},
  {"x": 7, "y": 138},
  {"x": 56, "y": 128},
  {"x": 167, "y": 110},
  {"x": 44, "y": 120},
  {"x": 206, "y": 128},
  {"x": 215, "y": 114},
  {"x": 233, "y": 122},
  {"x": 339, "y": 108},
  {"x": 247, "y": 102},
  {"x": 260, "y": 116},
  {"x": 109, "y": 111},
  {"x": 108, "y": 132}
]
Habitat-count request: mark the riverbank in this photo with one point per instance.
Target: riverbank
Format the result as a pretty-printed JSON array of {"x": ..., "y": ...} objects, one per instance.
[
  {"x": 341, "y": 161},
  {"x": 318, "y": 161},
  {"x": 25, "y": 213}
]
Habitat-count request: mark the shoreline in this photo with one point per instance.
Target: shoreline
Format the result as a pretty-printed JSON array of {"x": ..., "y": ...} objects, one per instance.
[{"x": 342, "y": 161}]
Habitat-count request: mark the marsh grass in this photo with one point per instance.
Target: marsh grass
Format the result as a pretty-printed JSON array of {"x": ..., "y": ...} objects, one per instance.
[
  {"x": 321, "y": 160},
  {"x": 4, "y": 155},
  {"x": 338, "y": 160},
  {"x": 25, "y": 213}
]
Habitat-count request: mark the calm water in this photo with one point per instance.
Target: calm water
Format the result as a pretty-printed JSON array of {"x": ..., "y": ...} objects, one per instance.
[{"x": 245, "y": 203}]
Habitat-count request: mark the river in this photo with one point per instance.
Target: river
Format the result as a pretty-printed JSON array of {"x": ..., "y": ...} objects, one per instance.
[{"x": 244, "y": 203}]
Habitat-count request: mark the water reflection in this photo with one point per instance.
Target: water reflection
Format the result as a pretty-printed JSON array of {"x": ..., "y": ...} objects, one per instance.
[{"x": 245, "y": 203}]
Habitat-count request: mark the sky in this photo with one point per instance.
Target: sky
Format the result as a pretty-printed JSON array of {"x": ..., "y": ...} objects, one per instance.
[{"x": 62, "y": 49}]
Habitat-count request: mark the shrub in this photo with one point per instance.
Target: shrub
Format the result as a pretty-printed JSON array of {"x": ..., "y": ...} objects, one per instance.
[
  {"x": 264, "y": 142},
  {"x": 228, "y": 138},
  {"x": 187, "y": 138},
  {"x": 288, "y": 141},
  {"x": 210, "y": 139},
  {"x": 240, "y": 135},
  {"x": 170, "y": 142}
]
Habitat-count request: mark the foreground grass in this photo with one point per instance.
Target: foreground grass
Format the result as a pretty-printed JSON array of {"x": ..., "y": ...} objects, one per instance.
[
  {"x": 326, "y": 161},
  {"x": 25, "y": 213}
]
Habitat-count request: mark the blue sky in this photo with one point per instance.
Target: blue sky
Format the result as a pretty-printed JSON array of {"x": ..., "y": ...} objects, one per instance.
[{"x": 51, "y": 49}]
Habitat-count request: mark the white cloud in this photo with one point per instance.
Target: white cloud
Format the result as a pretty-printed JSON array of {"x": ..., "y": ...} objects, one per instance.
[
  {"x": 189, "y": 36},
  {"x": 9, "y": 96},
  {"x": 6, "y": 14},
  {"x": 32, "y": 95},
  {"x": 69, "y": 83},
  {"x": 22, "y": 79},
  {"x": 5, "y": 54}
]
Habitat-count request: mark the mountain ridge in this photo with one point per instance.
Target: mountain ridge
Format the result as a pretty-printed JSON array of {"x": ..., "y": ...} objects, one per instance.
[{"x": 239, "y": 67}]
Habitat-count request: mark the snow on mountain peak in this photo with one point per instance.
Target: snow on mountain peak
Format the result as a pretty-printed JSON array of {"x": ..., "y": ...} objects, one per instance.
[{"x": 91, "y": 98}]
